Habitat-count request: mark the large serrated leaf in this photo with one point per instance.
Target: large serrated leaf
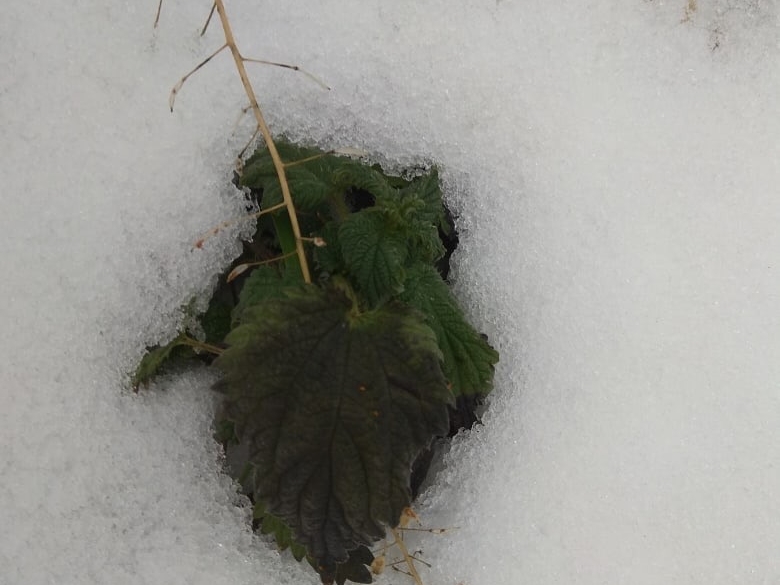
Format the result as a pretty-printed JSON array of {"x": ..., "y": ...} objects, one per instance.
[
  {"x": 468, "y": 359},
  {"x": 333, "y": 406},
  {"x": 374, "y": 254}
]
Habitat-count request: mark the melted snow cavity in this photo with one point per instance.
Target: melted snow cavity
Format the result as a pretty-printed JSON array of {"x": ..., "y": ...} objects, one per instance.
[{"x": 613, "y": 169}]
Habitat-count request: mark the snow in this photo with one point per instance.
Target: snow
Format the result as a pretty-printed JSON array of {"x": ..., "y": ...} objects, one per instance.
[{"x": 614, "y": 169}]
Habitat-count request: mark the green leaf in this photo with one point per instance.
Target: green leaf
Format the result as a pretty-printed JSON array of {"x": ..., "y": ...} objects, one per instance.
[
  {"x": 374, "y": 254},
  {"x": 351, "y": 173},
  {"x": 468, "y": 359},
  {"x": 329, "y": 257},
  {"x": 265, "y": 283},
  {"x": 428, "y": 190},
  {"x": 155, "y": 359},
  {"x": 410, "y": 214},
  {"x": 310, "y": 182},
  {"x": 333, "y": 406}
]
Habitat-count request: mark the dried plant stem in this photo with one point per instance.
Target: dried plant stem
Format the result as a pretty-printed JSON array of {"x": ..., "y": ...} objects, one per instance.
[
  {"x": 407, "y": 557},
  {"x": 214, "y": 231},
  {"x": 314, "y": 78},
  {"x": 278, "y": 164},
  {"x": 157, "y": 16},
  {"x": 180, "y": 83},
  {"x": 241, "y": 268},
  {"x": 201, "y": 345}
]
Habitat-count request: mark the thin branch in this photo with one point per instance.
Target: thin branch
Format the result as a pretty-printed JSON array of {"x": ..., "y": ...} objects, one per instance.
[
  {"x": 157, "y": 16},
  {"x": 429, "y": 530},
  {"x": 314, "y": 78},
  {"x": 180, "y": 83},
  {"x": 214, "y": 231},
  {"x": 241, "y": 268},
  {"x": 196, "y": 344},
  {"x": 414, "y": 557},
  {"x": 246, "y": 147},
  {"x": 208, "y": 20}
]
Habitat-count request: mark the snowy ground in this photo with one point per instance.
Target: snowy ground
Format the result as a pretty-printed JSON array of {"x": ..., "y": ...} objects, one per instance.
[{"x": 614, "y": 166}]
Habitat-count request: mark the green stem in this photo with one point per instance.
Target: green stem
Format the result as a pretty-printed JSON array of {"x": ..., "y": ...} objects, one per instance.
[{"x": 289, "y": 244}]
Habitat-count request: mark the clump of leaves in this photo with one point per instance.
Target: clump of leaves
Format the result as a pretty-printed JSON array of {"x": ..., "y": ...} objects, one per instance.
[{"x": 334, "y": 388}]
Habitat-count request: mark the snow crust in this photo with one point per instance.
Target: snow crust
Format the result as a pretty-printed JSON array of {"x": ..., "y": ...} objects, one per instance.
[{"x": 614, "y": 169}]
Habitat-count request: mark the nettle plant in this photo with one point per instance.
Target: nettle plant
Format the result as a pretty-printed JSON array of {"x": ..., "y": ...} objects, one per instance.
[{"x": 341, "y": 349}]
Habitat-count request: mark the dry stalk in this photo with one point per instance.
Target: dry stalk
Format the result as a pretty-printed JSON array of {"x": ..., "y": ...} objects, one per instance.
[
  {"x": 262, "y": 126},
  {"x": 399, "y": 542}
]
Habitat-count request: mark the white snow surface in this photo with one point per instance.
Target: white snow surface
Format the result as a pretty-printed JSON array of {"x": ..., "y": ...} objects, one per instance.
[{"x": 614, "y": 168}]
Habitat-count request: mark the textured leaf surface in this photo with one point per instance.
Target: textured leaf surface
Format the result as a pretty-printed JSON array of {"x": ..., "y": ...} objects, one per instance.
[
  {"x": 468, "y": 359},
  {"x": 428, "y": 190},
  {"x": 374, "y": 254},
  {"x": 270, "y": 524},
  {"x": 310, "y": 182},
  {"x": 334, "y": 406},
  {"x": 263, "y": 284}
]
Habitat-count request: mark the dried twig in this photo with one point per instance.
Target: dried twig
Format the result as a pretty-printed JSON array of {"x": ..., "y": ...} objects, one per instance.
[
  {"x": 157, "y": 16},
  {"x": 314, "y": 78},
  {"x": 262, "y": 127},
  {"x": 180, "y": 83}
]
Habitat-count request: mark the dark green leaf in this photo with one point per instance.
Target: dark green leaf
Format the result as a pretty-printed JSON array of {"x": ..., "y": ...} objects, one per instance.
[
  {"x": 374, "y": 254},
  {"x": 355, "y": 569},
  {"x": 468, "y": 359},
  {"x": 333, "y": 406},
  {"x": 329, "y": 257},
  {"x": 310, "y": 182},
  {"x": 354, "y": 174},
  {"x": 265, "y": 282}
]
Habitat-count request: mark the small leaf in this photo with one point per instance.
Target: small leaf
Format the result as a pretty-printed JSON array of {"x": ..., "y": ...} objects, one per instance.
[
  {"x": 374, "y": 254},
  {"x": 356, "y": 568},
  {"x": 333, "y": 407},
  {"x": 357, "y": 175},
  {"x": 154, "y": 360},
  {"x": 468, "y": 359},
  {"x": 428, "y": 190}
]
